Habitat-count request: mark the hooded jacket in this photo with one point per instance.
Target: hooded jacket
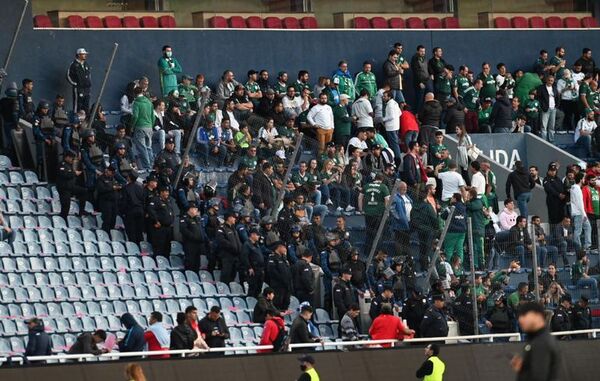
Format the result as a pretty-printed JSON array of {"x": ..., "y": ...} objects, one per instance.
[
  {"x": 271, "y": 332},
  {"x": 521, "y": 182},
  {"x": 183, "y": 337},
  {"x": 501, "y": 116},
  {"x": 38, "y": 343},
  {"x": 346, "y": 85},
  {"x": 431, "y": 113},
  {"x": 134, "y": 337}
]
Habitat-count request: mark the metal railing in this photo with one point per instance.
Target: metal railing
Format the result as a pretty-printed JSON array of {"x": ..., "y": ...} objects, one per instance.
[{"x": 324, "y": 345}]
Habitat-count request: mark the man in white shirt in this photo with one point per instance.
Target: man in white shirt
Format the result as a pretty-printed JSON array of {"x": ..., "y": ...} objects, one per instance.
[
  {"x": 578, "y": 215},
  {"x": 379, "y": 104},
  {"x": 321, "y": 118},
  {"x": 391, "y": 121},
  {"x": 477, "y": 178},
  {"x": 452, "y": 181},
  {"x": 359, "y": 141},
  {"x": 292, "y": 103},
  {"x": 583, "y": 134},
  {"x": 568, "y": 88},
  {"x": 362, "y": 111}
]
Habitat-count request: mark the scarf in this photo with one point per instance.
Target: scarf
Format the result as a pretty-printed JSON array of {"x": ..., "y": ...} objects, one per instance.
[{"x": 161, "y": 334}]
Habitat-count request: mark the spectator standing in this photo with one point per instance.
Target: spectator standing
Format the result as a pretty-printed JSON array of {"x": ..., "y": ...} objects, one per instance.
[
  {"x": 521, "y": 183},
  {"x": 433, "y": 368},
  {"x": 194, "y": 237},
  {"x": 391, "y": 122},
  {"x": 168, "y": 68},
  {"x": 462, "y": 154},
  {"x": 549, "y": 98},
  {"x": 80, "y": 77},
  {"x": 342, "y": 122},
  {"x": 88, "y": 342},
  {"x": 556, "y": 195},
  {"x": 365, "y": 80},
  {"x": 362, "y": 110},
  {"x": 430, "y": 116},
  {"x": 373, "y": 201},
  {"x": 303, "y": 279},
  {"x": 229, "y": 247},
  {"x": 501, "y": 116},
  {"x": 471, "y": 99},
  {"x": 400, "y": 219},
  {"x": 263, "y": 304},
  {"x": 214, "y": 329},
  {"x": 134, "y": 335},
  {"x": 299, "y": 332},
  {"x": 478, "y": 214},
  {"x": 320, "y": 117},
  {"x": 161, "y": 217},
  {"x": 455, "y": 238},
  {"x": 38, "y": 341},
  {"x": 346, "y": 83},
  {"x": 435, "y": 322},
  {"x": 452, "y": 181},
  {"x": 142, "y": 121},
  {"x": 568, "y": 88},
  {"x": 435, "y": 68},
  {"x": 273, "y": 332},
  {"x": 343, "y": 293},
  {"x": 252, "y": 263},
  {"x": 392, "y": 71},
  {"x": 578, "y": 214},
  {"x": 386, "y": 326},
  {"x": 108, "y": 191},
  {"x": 156, "y": 337},
  {"x": 587, "y": 63},
  {"x": 420, "y": 74},
  {"x": 424, "y": 221},
  {"x": 182, "y": 335},
  {"x": 488, "y": 89}
]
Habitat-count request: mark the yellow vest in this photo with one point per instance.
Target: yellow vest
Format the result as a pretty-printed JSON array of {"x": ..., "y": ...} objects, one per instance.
[
  {"x": 438, "y": 370},
  {"x": 314, "y": 376}
]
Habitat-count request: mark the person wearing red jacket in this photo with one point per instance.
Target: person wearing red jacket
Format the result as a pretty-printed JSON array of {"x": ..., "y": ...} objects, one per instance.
[
  {"x": 386, "y": 326},
  {"x": 156, "y": 337},
  {"x": 271, "y": 329},
  {"x": 409, "y": 127}
]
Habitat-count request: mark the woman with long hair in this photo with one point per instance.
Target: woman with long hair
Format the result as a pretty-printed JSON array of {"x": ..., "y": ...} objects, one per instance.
[
  {"x": 134, "y": 372},
  {"x": 462, "y": 157}
]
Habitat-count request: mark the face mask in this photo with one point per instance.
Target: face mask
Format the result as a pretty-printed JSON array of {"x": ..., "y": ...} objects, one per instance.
[
  {"x": 169, "y": 54},
  {"x": 303, "y": 368}
]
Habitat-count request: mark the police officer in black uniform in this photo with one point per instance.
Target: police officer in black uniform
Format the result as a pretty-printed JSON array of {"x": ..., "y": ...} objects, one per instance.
[
  {"x": 66, "y": 184},
  {"x": 161, "y": 217},
  {"x": 43, "y": 130},
  {"x": 25, "y": 98},
  {"x": 244, "y": 225},
  {"x": 462, "y": 309},
  {"x": 435, "y": 322},
  {"x": 286, "y": 218},
  {"x": 108, "y": 190},
  {"x": 71, "y": 135},
  {"x": 59, "y": 115},
  {"x": 253, "y": 263},
  {"x": 562, "y": 320},
  {"x": 212, "y": 223},
  {"x": 9, "y": 110},
  {"x": 80, "y": 77},
  {"x": 279, "y": 275},
  {"x": 303, "y": 279},
  {"x": 132, "y": 208},
  {"x": 168, "y": 159},
  {"x": 194, "y": 237},
  {"x": 121, "y": 137},
  {"x": 229, "y": 248},
  {"x": 123, "y": 167},
  {"x": 92, "y": 158},
  {"x": 343, "y": 293},
  {"x": 149, "y": 193}
]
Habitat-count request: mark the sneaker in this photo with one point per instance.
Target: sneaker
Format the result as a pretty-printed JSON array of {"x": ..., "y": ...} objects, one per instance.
[
  {"x": 339, "y": 209},
  {"x": 329, "y": 203},
  {"x": 350, "y": 208}
]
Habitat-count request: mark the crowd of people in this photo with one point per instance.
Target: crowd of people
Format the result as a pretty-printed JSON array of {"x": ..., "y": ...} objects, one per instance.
[{"x": 371, "y": 151}]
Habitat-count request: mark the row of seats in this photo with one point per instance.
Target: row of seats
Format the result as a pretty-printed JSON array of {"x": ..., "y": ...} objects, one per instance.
[
  {"x": 77, "y": 21},
  {"x": 410, "y": 23},
  {"x": 549, "y": 22},
  {"x": 256, "y": 22}
]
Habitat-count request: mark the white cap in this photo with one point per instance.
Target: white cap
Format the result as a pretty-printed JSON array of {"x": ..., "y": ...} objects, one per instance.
[
  {"x": 82, "y": 51},
  {"x": 336, "y": 80},
  {"x": 344, "y": 96},
  {"x": 280, "y": 154}
]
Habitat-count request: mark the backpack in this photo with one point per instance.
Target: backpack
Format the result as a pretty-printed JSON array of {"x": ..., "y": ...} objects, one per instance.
[{"x": 282, "y": 341}]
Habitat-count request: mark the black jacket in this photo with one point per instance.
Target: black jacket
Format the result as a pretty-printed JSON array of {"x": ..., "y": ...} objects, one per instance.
[
  {"x": 299, "y": 332},
  {"x": 520, "y": 181},
  {"x": 544, "y": 98},
  {"x": 183, "y": 337},
  {"x": 455, "y": 116},
  {"x": 133, "y": 199},
  {"x": 376, "y": 303},
  {"x": 161, "y": 211},
  {"x": 193, "y": 234},
  {"x": 262, "y": 190},
  {"x": 541, "y": 358},
  {"x": 302, "y": 276},
  {"x": 431, "y": 113},
  {"x": 228, "y": 242},
  {"x": 419, "y": 70},
  {"x": 84, "y": 344},
  {"x": 207, "y": 327},
  {"x": 79, "y": 75},
  {"x": 279, "y": 272},
  {"x": 260, "y": 309},
  {"x": 134, "y": 337},
  {"x": 434, "y": 323},
  {"x": 66, "y": 177},
  {"x": 39, "y": 343},
  {"x": 501, "y": 115},
  {"x": 252, "y": 257},
  {"x": 343, "y": 297},
  {"x": 562, "y": 319},
  {"x": 392, "y": 74}
]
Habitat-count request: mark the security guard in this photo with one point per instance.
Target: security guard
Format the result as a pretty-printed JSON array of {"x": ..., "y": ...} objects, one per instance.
[
  {"x": 435, "y": 323},
  {"x": 194, "y": 237},
  {"x": 9, "y": 110},
  {"x": 187, "y": 194},
  {"x": 121, "y": 137},
  {"x": 253, "y": 263},
  {"x": 343, "y": 293},
  {"x": 268, "y": 233},
  {"x": 67, "y": 187},
  {"x": 80, "y": 77},
  {"x": 433, "y": 368},
  {"x": 108, "y": 192},
  {"x": 211, "y": 222},
  {"x": 297, "y": 244},
  {"x": 123, "y": 167},
  {"x": 92, "y": 157},
  {"x": 307, "y": 366},
  {"x": 25, "y": 99},
  {"x": 132, "y": 207},
  {"x": 161, "y": 217},
  {"x": 150, "y": 192},
  {"x": 463, "y": 311},
  {"x": 279, "y": 276},
  {"x": 303, "y": 279},
  {"x": 244, "y": 225},
  {"x": 71, "y": 136},
  {"x": 562, "y": 320},
  {"x": 582, "y": 315},
  {"x": 330, "y": 260},
  {"x": 43, "y": 130},
  {"x": 168, "y": 159},
  {"x": 286, "y": 218},
  {"x": 230, "y": 248}
]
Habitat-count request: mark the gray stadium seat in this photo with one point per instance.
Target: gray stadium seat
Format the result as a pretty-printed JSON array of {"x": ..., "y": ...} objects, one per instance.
[
  {"x": 209, "y": 289},
  {"x": 192, "y": 276},
  {"x": 146, "y": 307},
  {"x": 30, "y": 222},
  {"x": 43, "y": 193},
  {"x": 239, "y": 302},
  {"x": 225, "y": 303},
  {"x": 110, "y": 278},
  {"x": 74, "y": 222},
  {"x": 5, "y": 162},
  {"x": 16, "y": 177},
  {"x": 162, "y": 263},
  {"x": 121, "y": 307},
  {"x": 132, "y": 248},
  {"x": 14, "y": 279},
  {"x": 137, "y": 277},
  {"x": 128, "y": 291},
  {"x": 168, "y": 290},
  {"x": 250, "y": 302},
  {"x": 117, "y": 235},
  {"x": 148, "y": 263},
  {"x": 178, "y": 277},
  {"x": 31, "y": 177},
  {"x": 13, "y": 193},
  {"x": 58, "y": 222},
  {"x": 151, "y": 277},
  {"x": 176, "y": 262},
  {"x": 172, "y": 306},
  {"x": 182, "y": 290},
  {"x": 195, "y": 289},
  {"x": 235, "y": 335},
  {"x": 243, "y": 317},
  {"x": 176, "y": 248},
  {"x": 205, "y": 276},
  {"x": 67, "y": 309},
  {"x": 17, "y": 344},
  {"x": 236, "y": 288},
  {"x": 42, "y": 279},
  {"x": 123, "y": 278},
  {"x": 322, "y": 316}
]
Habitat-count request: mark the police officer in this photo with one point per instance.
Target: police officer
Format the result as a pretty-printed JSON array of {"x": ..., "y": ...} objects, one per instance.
[
  {"x": 463, "y": 311},
  {"x": 244, "y": 225},
  {"x": 562, "y": 320},
  {"x": 269, "y": 234},
  {"x": 80, "y": 77},
  {"x": 43, "y": 130},
  {"x": 59, "y": 115},
  {"x": 71, "y": 136},
  {"x": 433, "y": 368},
  {"x": 230, "y": 248},
  {"x": 435, "y": 322},
  {"x": 279, "y": 275},
  {"x": 212, "y": 224},
  {"x": 330, "y": 261},
  {"x": 123, "y": 167},
  {"x": 194, "y": 237},
  {"x": 286, "y": 218},
  {"x": 386, "y": 296},
  {"x": 67, "y": 187},
  {"x": 343, "y": 293},
  {"x": 150, "y": 192},
  {"x": 108, "y": 192},
  {"x": 296, "y": 245},
  {"x": 582, "y": 315},
  {"x": 9, "y": 110},
  {"x": 92, "y": 158},
  {"x": 121, "y": 137},
  {"x": 187, "y": 194},
  {"x": 161, "y": 216},
  {"x": 253, "y": 263},
  {"x": 132, "y": 203},
  {"x": 25, "y": 98},
  {"x": 303, "y": 279},
  {"x": 168, "y": 159}
]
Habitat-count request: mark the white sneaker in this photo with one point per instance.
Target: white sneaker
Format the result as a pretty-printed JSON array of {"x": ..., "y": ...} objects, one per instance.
[
  {"x": 339, "y": 209},
  {"x": 329, "y": 202},
  {"x": 350, "y": 208}
]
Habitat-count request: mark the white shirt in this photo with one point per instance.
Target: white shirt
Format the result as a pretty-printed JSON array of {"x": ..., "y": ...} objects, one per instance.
[
  {"x": 478, "y": 182},
  {"x": 125, "y": 105},
  {"x": 578, "y": 76},
  {"x": 577, "y": 207},
  {"x": 218, "y": 118},
  {"x": 551, "y": 101},
  {"x": 267, "y": 135},
  {"x": 321, "y": 115},
  {"x": 585, "y": 126},
  {"x": 361, "y": 110},
  {"x": 407, "y": 205},
  {"x": 356, "y": 142},
  {"x": 294, "y": 103},
  {"x": 235, "y": 125},
  {"x": 391, "y": 120},
  {"x": 379, "y": 104},
  {"x": 451, "y": 183},
  {"x": 568, "y": 95}
]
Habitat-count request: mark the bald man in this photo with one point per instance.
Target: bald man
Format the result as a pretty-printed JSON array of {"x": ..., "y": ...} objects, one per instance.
[{"x": 430, "y": 117}]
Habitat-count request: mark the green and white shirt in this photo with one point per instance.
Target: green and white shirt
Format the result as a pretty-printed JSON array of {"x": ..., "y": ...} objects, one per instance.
[{"x": 375, "y": 194}]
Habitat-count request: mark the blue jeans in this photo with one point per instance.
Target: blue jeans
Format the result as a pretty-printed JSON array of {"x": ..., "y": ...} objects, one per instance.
[
  {"x": 398, "y": 96},
  {"x": 177, "y": 135},
  {"x": 325, "y": 193},
  {"x": 411, "y": 136},
  {"x": 548, "y": 119},
  {"x": 583, "y": 146},
  {"x": 340, "y": 195},
  {"x": 582, "y": 224},
  {"x": 522, "y": 201},
  {"x": 588, "y": 283},
  {"x": 142, "y": 141},
  {"x": 158, "y": 141},
  {"x": 520, "y": 251},
  {"x": 392, "y": 137},
  {"x": 316, "y": 197}
]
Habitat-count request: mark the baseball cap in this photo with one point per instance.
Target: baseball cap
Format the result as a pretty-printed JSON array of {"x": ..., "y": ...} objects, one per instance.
[
  {"x": 487, "y": 99},
  {"x": 82, "y": 51},
  {"x": 331, "y": 144},
  {"x": 270, "y": 91},
  {"x": 343, "y": 96},
  {"x": 336, "y": 80}
]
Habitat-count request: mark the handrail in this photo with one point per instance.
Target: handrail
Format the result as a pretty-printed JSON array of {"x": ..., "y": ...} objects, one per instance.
[{"x": 324, "y": 344}]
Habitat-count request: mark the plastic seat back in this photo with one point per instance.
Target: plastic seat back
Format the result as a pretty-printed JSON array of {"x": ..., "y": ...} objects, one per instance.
[{"x": 361, "y": 23}]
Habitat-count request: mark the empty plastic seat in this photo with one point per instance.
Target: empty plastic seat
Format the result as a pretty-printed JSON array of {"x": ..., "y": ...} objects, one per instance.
[
  {"x": 167, "y": 21},
  {"x": 149, "y": 22},
  {"x": 93, "y": 22},
  {"x": 176, "y": 262},
  {"x": 361, "y": 23},
  {"x": 17, "y": 345},
  {"x": 290, "y": 23},
  {"x": 308, "y": 22},
  {"x": 273, "y": 22},
  {"x": 195, "y": 288},
  {"x": 451, "y": 23},
  {"x": 222, "y": 288},
  {"x": 379, "y": 22},
  {"x": 16, "y": 177},
  {"x": 237, "y": 22},
  {"x": 397, "y": 23},
  {"x": 42, "y": 21},
  {"x": 30, "y": 176},
  {"x": 131, "y": 22},
  {"x": 433, "y": 23},
  {"x": 501, "y": 22},
  {"x": 112, "y": 22},
  {"x": 553, "y": 22},
  {"x": 322, "y": 316},
  {"x": 248, "y": 334},
  {"x": 254, "y": 22},
  {"x": 250, "y": 302},
  {"x": 589, "y": 22},
  {"x": 76, "y": 21},
  {"x": 209, "y": 289},
  {"x": 571, "y": 22},
  {"x": 205, "y": 276},
  {"x": 236, "y": 288},
  {"x": 519, "y": 22},
  {"x": 217, "y": 22},
  {"x": 415, "y": 23}
]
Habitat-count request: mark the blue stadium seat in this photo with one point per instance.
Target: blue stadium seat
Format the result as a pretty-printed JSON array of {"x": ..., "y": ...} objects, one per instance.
[
  {"x": 192, "y": 276},
  {"x": 200, "y": 304},
  {"x": 196, "y": 288},
  {"x": 243, "y": 317},
  {"x": 322, "y": 316},
  {"x": 205, "y": 276},
  {"x": 235, "y": 335},
  {"x": 130, "y": 306},
  {"x": 250, "y": 302},
  {"x": 209, "y": 289},
  {"x": 67, "y": 309}
]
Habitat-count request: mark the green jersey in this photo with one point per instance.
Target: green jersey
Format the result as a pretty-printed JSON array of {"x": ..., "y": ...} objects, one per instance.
[
  {"x": 379, "y": 139},
  {"x": 471, "y": 99},
  {"x": 436, "y": 149},
  {"x": 188, "y": 92},
  {"x": 375, "y": 194},
  {"x": 346, "y": 85},
  {"x": 250, "y": 162},
  {"x": 595, "y": 196},
  {"x": 366, "y": 81},
  {"x": 301, "y": 179},
  {"x": 299, "y": 86},
  {"x": 462, "y": 84},
  {"x": 341, "y": 121},
  {"x": 585, "y": 89},
  {"x": 252, "y": 87},
  {"x": 577, "y": 270},
  {"x": 556, "y": 61},
  {"x": 534, "y": 108},
  {"x": 484, "y": 116},
  {"x": 286, "y": 132},
  {"x": 280, "y": 88},
  {"x": 443, "y": 85},
  {"x": 489, "y": 86},
  {"x": 401, "y": 60},
  {"x": 595, "y": 99}
]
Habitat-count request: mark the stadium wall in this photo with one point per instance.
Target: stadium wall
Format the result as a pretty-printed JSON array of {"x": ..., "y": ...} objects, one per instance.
[
  {"x": 488, "y": 362},
  {"x": 45, "y": 54}
]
